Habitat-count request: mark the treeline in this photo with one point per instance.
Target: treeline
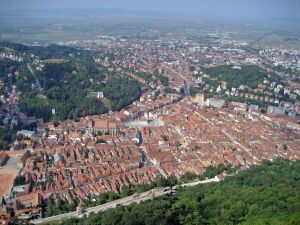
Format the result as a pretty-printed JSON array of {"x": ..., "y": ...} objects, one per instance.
[
  {"x": 53, "y": 51},
  {"x": 164, "y": 80},
  {"x": 248, "y": 75},
  {"x": 265, "y": 194},
  {"x": 52, "y": 208},
  {"x": 55, "y": 72},
  {"x": 69, "y": 84},
  {"x": 67, "y": 104},
  {"x": 79, "y": 105},
  {"x": 20, "y": 180},
  {"x": 122, "y": 92},
  {"x": 130, "y": 190},
  {"x": 146, "y": 76},
  {"x": 63, "y": 91},
  {"x": 8, "y": 78},
  {"x": 14, "y": 46},
  {"x": 70, "y": 100},
  {"x": 6, "y": 137},
  {"x": 34, "y": 104},
  {"x": 44, "y": 52},
  {"x": 66, "y": 90},
  {"x": 260, "y": 103}
]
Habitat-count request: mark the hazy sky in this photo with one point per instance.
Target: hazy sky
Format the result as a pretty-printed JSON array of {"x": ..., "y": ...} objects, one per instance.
[{"x": 221, "y": 8}]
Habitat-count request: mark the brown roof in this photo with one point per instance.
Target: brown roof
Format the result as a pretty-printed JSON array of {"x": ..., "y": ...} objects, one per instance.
[
  {"x": 112, "y": 125},
  {"x": 101, "y": 124}
]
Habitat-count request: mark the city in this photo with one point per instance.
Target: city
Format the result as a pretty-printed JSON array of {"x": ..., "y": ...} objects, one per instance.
[{"x": 92, "y": 124}]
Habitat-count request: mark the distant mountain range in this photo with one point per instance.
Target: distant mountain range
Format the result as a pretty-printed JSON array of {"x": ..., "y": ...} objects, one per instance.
[
  {"x": 103, "y": 12},
  {"x": 126, "y": 13}
]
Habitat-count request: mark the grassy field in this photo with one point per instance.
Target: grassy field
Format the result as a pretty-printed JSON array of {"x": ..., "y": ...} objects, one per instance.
[{"x": 47, "y": 29}]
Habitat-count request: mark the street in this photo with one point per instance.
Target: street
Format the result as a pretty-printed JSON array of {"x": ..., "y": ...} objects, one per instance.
[{"x": 156, "y": 192}]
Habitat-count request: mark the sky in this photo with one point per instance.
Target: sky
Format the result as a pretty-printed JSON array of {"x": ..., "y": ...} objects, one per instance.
[{"x": 202, "y": 8}]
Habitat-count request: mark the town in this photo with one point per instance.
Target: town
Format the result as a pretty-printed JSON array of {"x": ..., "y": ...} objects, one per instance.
[{"x": 191, "y": 114}]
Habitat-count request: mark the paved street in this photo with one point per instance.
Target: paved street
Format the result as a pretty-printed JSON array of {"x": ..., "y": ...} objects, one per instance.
[{"x": 136, "y": 198}]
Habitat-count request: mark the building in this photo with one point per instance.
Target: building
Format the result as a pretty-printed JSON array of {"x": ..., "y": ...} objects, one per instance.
[
  {"x": 237, "y": 106},
  {"x": 275, "y": 110},
  {"x": 200, "y": 99},
  {"x": 103, "y": 127},
  {"x": 98, "y": 94},
  {"x": 27, "y": 201},
  {"x": 216, "y": 103},
  {"x": 292, "y": 114},
  {"x": 287, "y": 106},
  {"x": 186, "y": 88},
  {"x": 26, "y": 133},
  {"x": 57, "y": 157},
  {"x": 297, "y": 108},
  {"x": 253, "y": 107}
]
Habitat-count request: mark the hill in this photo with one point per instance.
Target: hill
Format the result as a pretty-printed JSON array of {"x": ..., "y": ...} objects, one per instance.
[
  {"x": 65, "y": 79},
  {"x": 248, "y": 75},
  {"x": 264, "y": 194}
]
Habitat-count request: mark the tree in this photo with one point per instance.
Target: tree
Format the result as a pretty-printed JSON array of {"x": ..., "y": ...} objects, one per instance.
[
  {"x": 3, "y": 201},
  {"x": 122, "y": 92},
  {"x": 249, "y": 75},
  {"x": 164, "y": 80},
  {"x": 264, "y": 194},
  {"x": 19, "y": 180}
]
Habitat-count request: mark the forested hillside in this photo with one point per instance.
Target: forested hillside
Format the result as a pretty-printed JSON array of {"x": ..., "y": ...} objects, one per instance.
[
  {"x": 65, "y": 79},
  {"x": 265, "y": 194},
  {"x": 248, "y": 75}
]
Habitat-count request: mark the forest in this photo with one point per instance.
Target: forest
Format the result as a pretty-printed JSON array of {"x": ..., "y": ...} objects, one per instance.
[
  {"x": 8, "y": 66},
  {"x": 6, "y": 137},
  {"x": 164, "y": 80},
  {"x": 248, "y": 75},
  {"x": 122, "y": 91},
  {"x": 44, "y": 52},
  {"x": 68, "y": 78},
  {"x": 264, "y": 194},
  {"x": 51, "y": 208},
  {"x": 68, "y": 94}
]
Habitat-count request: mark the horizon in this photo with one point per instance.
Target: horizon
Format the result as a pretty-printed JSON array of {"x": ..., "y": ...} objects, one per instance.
[{"x": 189, "y": 9}]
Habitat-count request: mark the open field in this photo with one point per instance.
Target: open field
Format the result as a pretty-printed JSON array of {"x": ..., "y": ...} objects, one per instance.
[
  {"x": 8, "y": 173},
  {"x": 7, "y": 177},
  {"x": 52, "y": 30}
]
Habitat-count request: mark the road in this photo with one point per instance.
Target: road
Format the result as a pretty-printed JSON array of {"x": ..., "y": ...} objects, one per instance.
[
  {"x": 215, "y": 179},
  {"x": 12, "y": 163},
  {"x": 136, "y": 198},
  {"x": 38, "y": 84},
  {"x": 186, "y": 82}
]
